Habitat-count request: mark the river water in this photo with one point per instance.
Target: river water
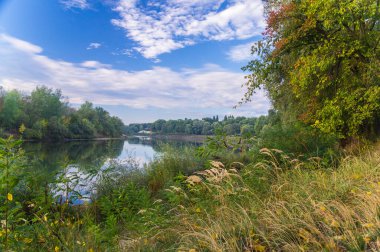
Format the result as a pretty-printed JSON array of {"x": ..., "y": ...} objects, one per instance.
[{"x": 81, "y": 162}]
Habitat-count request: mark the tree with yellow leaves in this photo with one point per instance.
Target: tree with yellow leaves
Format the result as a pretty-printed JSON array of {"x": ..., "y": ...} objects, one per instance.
[{"x": 319, "y": 61}]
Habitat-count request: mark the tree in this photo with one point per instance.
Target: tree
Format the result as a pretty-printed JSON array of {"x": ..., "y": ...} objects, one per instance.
[
  {"x": 45, "y": 103},
  {"x": 246, "y": 130},
  {"x": 11, "y": 110},
  {"x": 319, "y": 61}
]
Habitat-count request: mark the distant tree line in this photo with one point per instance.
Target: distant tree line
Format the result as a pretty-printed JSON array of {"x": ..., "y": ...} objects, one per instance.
[
  {"x": 46, "y": 115},
  {"x": 230, "y": 125}
]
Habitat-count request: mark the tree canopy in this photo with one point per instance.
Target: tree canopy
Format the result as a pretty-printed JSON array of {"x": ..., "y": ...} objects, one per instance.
[
  {"x": 46, "y": 115},
  {"x": 206, "y": 126},
  {"x": 319, "y": 61}
]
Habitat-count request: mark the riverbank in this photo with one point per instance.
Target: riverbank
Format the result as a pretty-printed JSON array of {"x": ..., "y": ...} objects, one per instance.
[
  {"x": 262, "y": 200},
  {"x": 174, "y": 137},
  {"x": 18, "y": 135},
  {"x": 186, "y": 138}
]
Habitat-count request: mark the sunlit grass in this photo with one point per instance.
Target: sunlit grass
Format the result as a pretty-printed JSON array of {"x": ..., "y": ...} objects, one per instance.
[{"x": 304, "y": 209}]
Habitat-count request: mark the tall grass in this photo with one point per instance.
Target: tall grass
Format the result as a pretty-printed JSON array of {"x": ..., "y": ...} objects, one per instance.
[
  {"x": 302, "y": 209},
  {"x": 182, "y": 202}
]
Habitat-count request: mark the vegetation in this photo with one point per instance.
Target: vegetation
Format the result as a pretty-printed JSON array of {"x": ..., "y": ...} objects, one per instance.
[
  {"x": 45, "y": 115},
  {"x": 319, "y": 62},
  {"x": 288, "y": 182},
  {"x": 206, "y": 126},
  {"x": 258, "y": 200},
  {"x": 277, "y": 204}
]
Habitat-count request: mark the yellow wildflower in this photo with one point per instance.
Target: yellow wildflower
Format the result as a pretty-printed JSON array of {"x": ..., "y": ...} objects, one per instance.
[
  {"x": 45, "y": 218},
  {"x": 198, "y": 210},
  {"x": 56, "y": 249},
  {"x": 192, "y": 250},
  {"x": 369, "y": 193},
  {"x": 334, "y": 223},
  {"x": 368, "y": 225},
  {"x": 259, "y": 248},
  {"x": 90, "y": 250},
  {"x": 366, "y": 239},
  {"x": 10, "y": 197}
]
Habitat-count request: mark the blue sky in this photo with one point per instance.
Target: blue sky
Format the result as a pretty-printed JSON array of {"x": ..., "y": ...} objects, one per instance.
[{"x": 140, "y": 59}]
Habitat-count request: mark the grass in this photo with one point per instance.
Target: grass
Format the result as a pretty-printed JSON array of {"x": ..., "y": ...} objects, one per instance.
[
  {"x": 304, "y": 208},
  {"x": 182, "y": 202}
]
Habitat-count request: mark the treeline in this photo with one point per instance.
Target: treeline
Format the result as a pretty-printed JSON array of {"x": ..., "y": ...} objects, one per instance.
[
  {"x": 46, "y": 115},
  {"x": 230, "y": 125}
]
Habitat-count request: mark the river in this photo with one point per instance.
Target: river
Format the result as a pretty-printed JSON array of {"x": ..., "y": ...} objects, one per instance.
[{"x": 81, "y": 162}]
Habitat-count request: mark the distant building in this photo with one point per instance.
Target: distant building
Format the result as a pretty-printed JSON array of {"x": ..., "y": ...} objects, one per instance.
[{"x": 147, "y": 132}]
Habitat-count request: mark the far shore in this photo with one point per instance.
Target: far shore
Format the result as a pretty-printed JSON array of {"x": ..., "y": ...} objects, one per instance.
[
  {"x": 76, "y": 139},
  {"x": 175, "y": 137},
  {"x": 169, "y": 137}
]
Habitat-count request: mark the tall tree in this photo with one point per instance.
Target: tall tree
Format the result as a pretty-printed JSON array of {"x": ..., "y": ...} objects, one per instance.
[
  {"x": 319, "y": 61},
  {"x": 11, "y": 110},
  {"x": 46, "y": 103}
]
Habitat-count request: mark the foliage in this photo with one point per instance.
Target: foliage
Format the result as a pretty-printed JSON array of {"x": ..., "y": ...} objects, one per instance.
[
  {"x": 206, "y": 126},
  {"x": 298, "y": 139},
  {"x": 10, "y": 164},
  {"x": 319, "y": 62},
  {"x": 46, "y": 116},
  {"x": 290, "y": 206},
  {"x": 182, "y": 201}
]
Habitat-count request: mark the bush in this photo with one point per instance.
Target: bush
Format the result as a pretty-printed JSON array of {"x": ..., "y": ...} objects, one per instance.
[{"x": 298, "y": 139}]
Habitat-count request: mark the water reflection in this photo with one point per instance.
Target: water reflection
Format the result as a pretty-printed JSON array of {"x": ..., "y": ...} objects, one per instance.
[
  {"x": 88, "y": 155},
  {"x": 81, "y": 162}
]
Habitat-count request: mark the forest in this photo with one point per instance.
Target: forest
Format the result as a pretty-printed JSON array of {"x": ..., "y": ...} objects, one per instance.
[
  {"x": 206, "y": 126},
  {"x": 46, "y": 115},
  {"x": 306, "y": 177}
]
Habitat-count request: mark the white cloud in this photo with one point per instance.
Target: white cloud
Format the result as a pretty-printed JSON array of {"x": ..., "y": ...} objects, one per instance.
[
  {"x": 24, "y": 66},
  {"x": 75, "y": 4},
  {"x": 94, "y": 64},
  {"x": 20, "y": 44},
  {"x": 161, "y": 27},
  {"x": 241, "y": 53},
  {"x": 93, "y": 45}
]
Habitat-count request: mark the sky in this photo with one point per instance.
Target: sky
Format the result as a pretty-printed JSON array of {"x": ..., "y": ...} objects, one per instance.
[{"x": 142, "y": 60}]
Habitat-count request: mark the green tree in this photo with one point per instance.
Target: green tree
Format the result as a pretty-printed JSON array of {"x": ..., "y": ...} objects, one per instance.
[
  {"x": 319, "y": 62},
  {"x": 11, "y": 110},
  {"x": 246, "y": 130},
  {"x": 45, "y": 103}
]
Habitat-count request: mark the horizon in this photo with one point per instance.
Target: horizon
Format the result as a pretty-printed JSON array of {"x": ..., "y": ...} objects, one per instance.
[{"x": 141, "y": 60}]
